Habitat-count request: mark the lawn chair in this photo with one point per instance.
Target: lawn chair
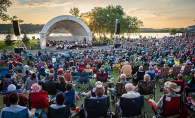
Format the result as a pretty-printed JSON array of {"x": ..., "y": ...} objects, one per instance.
[
  {"x": 83, "y": 79},
  {"x": 164, "y": 73},
  {"x": 61, "y": 87},
  {"x": 147, "y": 88},
  {"x": 63, "y": 57},
  {"x": 70, "y": 99},
  {"x": 21, "y": 114},
  {"x": 41, "y": 72},
  {"x": 130, "y": 107},
  {"x": 187, "y": 70},
  {"x": 120, "y": 90},
  {"x": 181, "y": 85},
  {"x": 39, "y": 100},
  {"x": 176, "y": 71},
  {"x": 51, "y": 89},
  {"x": 102, "y": 77},
  {"x": 145, "y": 67},
  {"x": 73, "y": 75},
  {"x": 4, "y": 72},
  {"x": 95, "y": 108},
  {"x": 171, "y": 106},
  {"x": 67, "y": 58},
  {"x": 59, "y": 113},
  {"x": 21, "y": 101},
  {"x": 39, "y": 65}
]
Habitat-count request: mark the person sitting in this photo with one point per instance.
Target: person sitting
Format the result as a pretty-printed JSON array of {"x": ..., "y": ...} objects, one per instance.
[
  {"x": 146, "y": 78},
  {"x": 99, "y": 92},
  {"x": 49, "y": 83},
  {"x": 190, "y": 85},
  {"x": 92, "y": 92},
  {"x": 171, "y": 89},
  {"x": 102, "y": 70},
  {"x": 15, "y": 108},
  {"x": 62, "y": 83},
  {"x": 180, "y": 79},
  {"x": 6, "y": 82},
  {"x": 171, "y": 63},
  {"x": 88, "y": 70},
  {"x": 29, "y": 82},
  {"x": 67, "y": 76},
  {"x": 56, "y": 68},
  {"x": 69, "y": 88},
  {"x": 60, "y": 71},
  {"x": 23, "y": 80},
  {"x": 126, "y": 69},
  {"x": 53, "y": 59},
  {"x": 139, "y": 75},
  {"x": 151, "y": 73},
  {"x": 130, "y": 93},
  {"x": 12, "y": 88}
]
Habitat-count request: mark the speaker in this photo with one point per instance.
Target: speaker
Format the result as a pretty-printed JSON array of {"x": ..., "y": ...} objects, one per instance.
[
  {"x": 117, "y": 45},
  {"x": 117, "y": 28},
  {"x": 16, "y": 27},
  {"x": 19, "y": 50}
]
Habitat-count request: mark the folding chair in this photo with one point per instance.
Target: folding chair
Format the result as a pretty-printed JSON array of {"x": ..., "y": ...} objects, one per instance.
[
  {"x": 176, "y": 71},
  {"x": 21, "y": 114},
  {"x": 130, "y": 107},
  {"x": 95, "y": 108},
  {"x": 39, "y": 100},
  {"x": 21, "y": 101},
  {"x": 63, "y": 57},
  {"x": 147, "y": 88},
  {"x": 187, "y": 70},
  {"x": 41, "y": 72},
  {"x": 43, "y": 58},
  {"x": 39, "y": 65},
  {"x": 70, "y": 99},
  {"x": 59, "y": 113},
  {"x": 171, "y": 106},
  {"x": 145, "y": 67},
  {"x": 74, "y": 75},
  {"x": 67, "y": 58},
  {"x": 4, "y": 72},
  {"x": 83, "y": 79},
  {"x": 190, "y": 109},
  {"x": 181, "y": 85},
  {"x": 164, "y": 72},
  {"x": 102, "y": 77},
  {"x": 61, "y": 87}
]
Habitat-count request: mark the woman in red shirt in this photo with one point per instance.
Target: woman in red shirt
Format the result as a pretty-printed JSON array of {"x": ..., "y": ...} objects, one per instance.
[{"x": 67, "y": 76}]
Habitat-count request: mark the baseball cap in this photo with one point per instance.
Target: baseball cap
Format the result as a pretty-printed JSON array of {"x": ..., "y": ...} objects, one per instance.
[{"x": 11, "y": 88}]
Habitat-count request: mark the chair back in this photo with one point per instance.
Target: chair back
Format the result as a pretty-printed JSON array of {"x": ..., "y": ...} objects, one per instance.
[
  {"x": 181, "y": 85},
  {"x": 146, "y": 87},
  {"x": 4, "y": 72},
  {"x": 21, "y": 101},
  {"x": 50, "y": 88},
  {"x": 83, "y": 78},
  {"x": 102, "y": 77},
  {"x": 42, "y": 72},
  {"x": 70, "y": 98},
  {"x": 39, "y": 65},
  {"x": 120, "y": 89},
  {"x": 59, "y": 113},
  {"x": 21, "y": 114},
  {"x": 187, "y": 70},
  {"x": 131, "y": 106},
  {"x": 171, "y": 106},
  {"x": 164, "y": 72},
  {"x": 176, "y": 70},
  {"x": 146, "y": 66},
  {"x": 96, "y": 107},
  {"x": 39, "y": 100}
]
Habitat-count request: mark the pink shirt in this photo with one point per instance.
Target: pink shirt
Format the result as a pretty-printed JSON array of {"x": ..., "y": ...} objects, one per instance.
[
  {"x": 67, "y": 76},
  {"x": 155, "y": 70}
]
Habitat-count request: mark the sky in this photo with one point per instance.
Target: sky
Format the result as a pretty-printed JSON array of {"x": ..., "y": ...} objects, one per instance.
[{"x": 153, "y": 13}]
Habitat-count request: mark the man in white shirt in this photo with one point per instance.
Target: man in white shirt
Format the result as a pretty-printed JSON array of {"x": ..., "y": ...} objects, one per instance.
[{"x": 15, "y": 108}]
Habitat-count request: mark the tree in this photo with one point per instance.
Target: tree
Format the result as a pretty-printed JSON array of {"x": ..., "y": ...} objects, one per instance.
[
  {"x": 4, "y": 4},
  {"x": 75, "y": 12},
  {"x": 8, "y": 39},
  {"x": 172, "y": 31},
  {"x": 25, "y": 39}
]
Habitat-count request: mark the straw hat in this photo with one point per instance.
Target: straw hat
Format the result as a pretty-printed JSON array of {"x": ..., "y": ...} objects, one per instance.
[{"x": 173, "y": 86}]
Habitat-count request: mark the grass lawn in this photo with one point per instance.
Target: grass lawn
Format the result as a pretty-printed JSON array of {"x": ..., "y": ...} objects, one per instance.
[{"x": 10, "y": 47}]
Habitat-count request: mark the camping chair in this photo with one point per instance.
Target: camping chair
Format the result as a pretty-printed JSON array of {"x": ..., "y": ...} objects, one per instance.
[
  {"x": 145, "y": 66},
  {"x": 130, "y": 107},
  {"x": 95, "y": 108},
  {"x": 116, "y": 67},
  {"x": 63, "y": 57},
  {"x": 176, "y": 71},
  {"x": 171, "y": 106},
  {"x": 102, "y": 77},
  {"x": 39, "y": 65},
  {"x": 59, "y": 113},
  {"x": 21, "y": 114},
  {"x": 164, "y": 72},
  {"x": 83, "y": 79},
  {"x": 43, "y": 58},
  {"x": 41, "y": 72},
  {"x": 39, "y": 100},
  {"x": 67, "y": 58},
  {"x": 181, "y": 85},
  {"x": 61, "y": 87},
  {"x": 190, "y": 109},
  {"x": 147, "y": 88},
  {"x": 4, "y": 72},
  {"x": 21, "y": 101},
  {"x": 73, "y": 75},
  {"x": 70, "y": 99},
  {"x": 51, "y": 89},
  {"x": 120, "y": 90},
  {"x": 187, "y": 70}
]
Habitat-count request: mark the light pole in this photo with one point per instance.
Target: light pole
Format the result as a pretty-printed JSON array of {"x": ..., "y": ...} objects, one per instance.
[{"x": 115, "y": 32}]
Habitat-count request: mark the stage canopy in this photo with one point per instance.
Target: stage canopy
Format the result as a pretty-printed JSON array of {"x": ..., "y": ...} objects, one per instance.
[{"x": 78, "y": 29}]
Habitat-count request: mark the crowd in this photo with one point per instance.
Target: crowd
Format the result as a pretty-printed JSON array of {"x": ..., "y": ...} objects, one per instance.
[{"x": 143, "y": 61}]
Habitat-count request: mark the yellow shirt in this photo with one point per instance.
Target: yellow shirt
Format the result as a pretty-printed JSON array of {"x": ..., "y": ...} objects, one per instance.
[{"x": 177, "y": 63}]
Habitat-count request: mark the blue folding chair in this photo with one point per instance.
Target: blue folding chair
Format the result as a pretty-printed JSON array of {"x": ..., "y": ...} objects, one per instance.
[
  {"x": 48, "y": 59},
  {"x": 63, "y": 57},
  {"x": 70, "y": 98},
  {"x": 21, "y": 114},
  {"x": 4, "y": 92},
  {"x": 44, "y": 58},
  {"x": 41, "y": 72},
  {"x": 83, "y": 79},
  {"x": 39, "y": 57},
  {"x": 4, "y": 72},
  {"x": 67, "y": 58}
]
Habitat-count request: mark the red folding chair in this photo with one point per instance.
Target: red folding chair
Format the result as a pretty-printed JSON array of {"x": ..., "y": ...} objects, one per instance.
[
  {"x": 171, "y": 106},
  {"x": 39, "y": 100},
  {"x": 93, "y": 68},
  {"x": 102, "y": 77},
  {"x": 181, "y": 85},
  {"x": 164, "y": 72},
  {"x": 187, "y": 70},
  {"x": 176, "y": 71}
]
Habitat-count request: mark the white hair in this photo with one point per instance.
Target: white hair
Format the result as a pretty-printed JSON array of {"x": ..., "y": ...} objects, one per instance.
[
  {"x": 129, "y": 85},
  {"x": 88, "y": 66},
  {"x": 126, "y": 62}
]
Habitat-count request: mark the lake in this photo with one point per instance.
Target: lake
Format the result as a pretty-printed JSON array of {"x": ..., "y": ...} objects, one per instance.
[{"x": 157, "y": 35}]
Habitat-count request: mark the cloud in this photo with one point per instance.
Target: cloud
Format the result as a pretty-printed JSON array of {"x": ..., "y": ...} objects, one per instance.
[
  {"x": 157, "y": 14},
  {"x": 135, "y": 10},
  {"x": 39, "y": 4}
]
